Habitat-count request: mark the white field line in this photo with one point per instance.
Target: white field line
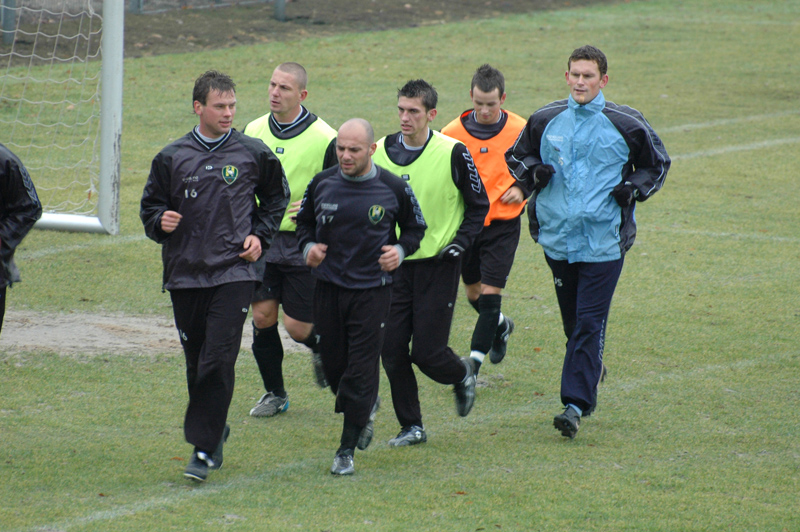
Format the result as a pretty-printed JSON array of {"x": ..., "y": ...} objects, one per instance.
[
  {"x": 726, "y": 122},
  {"x": 700, "y": 373},
  {"x": 724, "y": 236},
  {"x": 788, "y": 22},
  {"x": 765, "y": 144},
  {"x": 181, "y": 495}
]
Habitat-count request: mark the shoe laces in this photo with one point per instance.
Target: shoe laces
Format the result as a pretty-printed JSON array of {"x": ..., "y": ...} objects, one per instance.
[{"x": 205, "y": 458}]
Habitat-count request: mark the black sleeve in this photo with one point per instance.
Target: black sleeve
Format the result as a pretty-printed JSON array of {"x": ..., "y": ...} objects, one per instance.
[
  {"x": 272, "y": 192},
  {"x": 306, "y": 231},
  {"x": 468, "y": 181},
  {"x": 19, "y": 204},
  {"x": 649, "y": 162},
  {"x": 155, "y": 198},
  {"x": 523, "y": 157},
  {"x": 330, "y": 159}
]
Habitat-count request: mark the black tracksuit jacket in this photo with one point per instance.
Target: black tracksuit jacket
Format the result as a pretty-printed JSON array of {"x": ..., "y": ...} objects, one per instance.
[{"x": 215, "y": 188}]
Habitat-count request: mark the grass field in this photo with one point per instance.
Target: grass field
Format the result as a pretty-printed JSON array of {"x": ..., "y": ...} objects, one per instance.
[{"x": 697, "y": 426}]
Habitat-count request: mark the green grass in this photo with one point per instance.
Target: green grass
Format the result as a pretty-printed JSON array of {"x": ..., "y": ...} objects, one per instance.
[{"x": 697, "y": 426}]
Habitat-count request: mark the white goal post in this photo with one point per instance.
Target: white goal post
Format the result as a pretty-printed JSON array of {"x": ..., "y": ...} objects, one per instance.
[{"x": 60, "y": 115}]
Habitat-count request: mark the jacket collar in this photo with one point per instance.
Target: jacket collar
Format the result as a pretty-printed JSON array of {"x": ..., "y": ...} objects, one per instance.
[{"x": 595, "y": 106}]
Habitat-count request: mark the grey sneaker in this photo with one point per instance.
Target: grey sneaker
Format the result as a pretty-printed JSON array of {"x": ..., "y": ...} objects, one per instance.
[
  {"x": 216, "y": 457},
  {"x": 568, "y": 422},
  {"x": 465, "y": 390},
  {"x": 343, "y": 463},
  {"x": 409, "y": 436},
  {"x": 198, "y": 467},
  {"x": 270, "y": 405},
  {"x": 319, "y": 372},
  {"x": 365, "y": 438},
  {"x": 498, "y": 351}
]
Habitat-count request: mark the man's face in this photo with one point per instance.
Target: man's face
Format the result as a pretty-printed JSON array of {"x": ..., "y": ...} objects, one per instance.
[
  {"x": 585, "y": 81},
  {"x": 353, "y": 151},
  {"x": 216, "y": 116},
  {"x": 285, "y": 95},
  {"x": 414, "y": 118},
  {"x": 487, "y": 105}
]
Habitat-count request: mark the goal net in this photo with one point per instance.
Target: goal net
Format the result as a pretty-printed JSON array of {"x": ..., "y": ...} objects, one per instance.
[{"x": 61, "y": 103}]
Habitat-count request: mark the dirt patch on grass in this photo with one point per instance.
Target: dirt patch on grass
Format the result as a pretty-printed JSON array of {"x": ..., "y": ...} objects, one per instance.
[{"x": 97, "y": 334}]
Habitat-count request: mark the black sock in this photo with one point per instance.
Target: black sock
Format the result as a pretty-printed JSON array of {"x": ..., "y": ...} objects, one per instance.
[
  {"x": 311, "y": 341},
  {"x": 268, "y": 352},
  {"x": 350, "y": 434},
  {"x": 486, "y": 326},
  {"x": 475, "y": 304}
]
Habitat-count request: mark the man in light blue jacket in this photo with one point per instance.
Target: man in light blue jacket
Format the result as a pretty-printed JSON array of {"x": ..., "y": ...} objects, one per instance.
[{"x": 588, "y": 161}]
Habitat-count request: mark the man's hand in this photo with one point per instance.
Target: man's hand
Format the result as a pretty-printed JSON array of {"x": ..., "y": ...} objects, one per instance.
[
  {"x": 624, "y": 193},
  {"x": 542, "y": 175},
  {"x": 252, "y": 248},
  {"x": 389, "y": 259},
  {"x": 295, "y": 206},
  {"x": 170, "y": 221},
  {"x": 316, "y": 254},
  {"x": 451, "y": 253},
  {"x": 512, "y": 195}
]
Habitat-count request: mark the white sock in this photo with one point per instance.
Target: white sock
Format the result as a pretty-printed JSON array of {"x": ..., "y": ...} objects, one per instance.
[{"x": 477, "y": 355}]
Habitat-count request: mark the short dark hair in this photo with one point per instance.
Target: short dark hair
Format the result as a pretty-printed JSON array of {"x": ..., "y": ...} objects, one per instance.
[
  {"x": 487, "y": 78},
  {"x": 211, "y": 81},
  {"x": 296, "y": 70},
  {"x": 419, "y": 88},
  {"x": 589, "y": 53}
]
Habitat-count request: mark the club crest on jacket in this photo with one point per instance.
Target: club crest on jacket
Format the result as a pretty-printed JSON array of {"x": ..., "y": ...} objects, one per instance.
[
  {"x": 230, "y": 173},
  {"x": 376, "y": 213}
]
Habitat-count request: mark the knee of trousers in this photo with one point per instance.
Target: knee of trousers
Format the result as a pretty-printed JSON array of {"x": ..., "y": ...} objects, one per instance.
[{"x": 394, "y": 363}]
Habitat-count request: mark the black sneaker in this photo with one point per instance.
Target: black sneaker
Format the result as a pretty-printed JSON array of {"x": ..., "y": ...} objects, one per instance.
[
  {"x": 197, "y": 469},
  {"x": 498, "y": 351},
  {"x": 270, "y": 405},
  {"x": 465, "y": 390},
  {"x": 216, "y": 457},
  {"x": 568, "y": 422},
  {"x": 343, "y": 463},
  {"x": 365, "y": 438},
  {"x": 409, "y": 436}
]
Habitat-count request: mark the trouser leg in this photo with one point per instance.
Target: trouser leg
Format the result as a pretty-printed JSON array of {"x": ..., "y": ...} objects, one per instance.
[
  {"x": 2, "y": 306},
  {"x": 434, "y": 298},
  {"x": 210, "y": 323},
  {"x": 351, "y": 325},
  {"x": 584, "y": 291},
  {"x": 365, "y": 325},
  {"x": 330, "y": 327},
  {"x": 396, "y": 355}
]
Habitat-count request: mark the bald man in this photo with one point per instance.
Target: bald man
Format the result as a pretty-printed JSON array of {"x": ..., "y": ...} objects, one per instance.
[{"x": 347, "y": 232}]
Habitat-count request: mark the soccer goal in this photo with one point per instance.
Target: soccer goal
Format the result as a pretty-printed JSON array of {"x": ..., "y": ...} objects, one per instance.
[{"x": 61, "y": 106}]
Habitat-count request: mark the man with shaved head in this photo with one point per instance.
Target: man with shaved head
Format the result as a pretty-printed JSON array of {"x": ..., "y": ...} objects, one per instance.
[
  {"x": 305, "y": 145},
  {"x": 347, "y": 232}
]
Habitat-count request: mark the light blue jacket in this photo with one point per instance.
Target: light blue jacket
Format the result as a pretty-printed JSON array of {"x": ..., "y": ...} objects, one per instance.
[{"x": 593, "y": 148}]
